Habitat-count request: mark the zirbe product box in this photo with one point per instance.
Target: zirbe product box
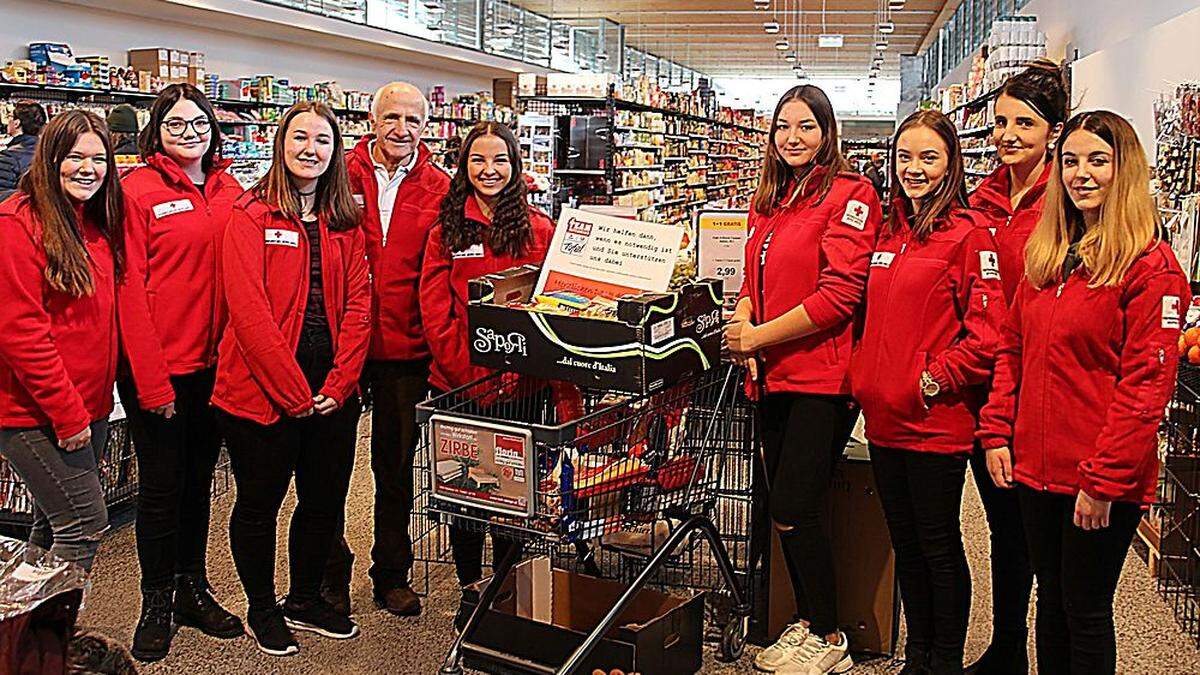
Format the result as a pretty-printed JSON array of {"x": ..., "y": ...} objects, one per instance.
[{"x": 598, "y": 312}]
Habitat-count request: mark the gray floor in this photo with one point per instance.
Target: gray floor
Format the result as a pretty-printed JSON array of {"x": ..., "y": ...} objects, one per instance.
[{"x": 1149, "y": 640}]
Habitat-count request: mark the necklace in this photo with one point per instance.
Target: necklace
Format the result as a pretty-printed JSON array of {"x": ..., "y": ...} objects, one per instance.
[{"x": 307, "y": 194}]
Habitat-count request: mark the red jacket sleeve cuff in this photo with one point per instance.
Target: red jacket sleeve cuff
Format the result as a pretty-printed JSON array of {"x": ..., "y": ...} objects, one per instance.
[
  {"x": 939, "y": 375},
  {"x": 993, "y": 442},
  {"x": 820, "y": 311},
  {"x": 68, "y": 430},
  {"x": 299, "y": 408},
  {"x": 156, "y": 399},
  {"x": 1095, "y": 489},
  {"x": 331, "y": 392}
]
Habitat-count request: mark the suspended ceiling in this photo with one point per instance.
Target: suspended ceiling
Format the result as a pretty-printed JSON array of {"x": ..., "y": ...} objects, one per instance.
[{"x": 725, "y": 38}]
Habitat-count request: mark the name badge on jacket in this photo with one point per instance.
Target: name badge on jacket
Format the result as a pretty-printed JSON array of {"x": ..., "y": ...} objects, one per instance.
[
  {"x": 171, "y": 208},
  {"x": 474, "y": 251},
  {"x": 882, "y": 259},
  {"x": 276, "y": 237}
]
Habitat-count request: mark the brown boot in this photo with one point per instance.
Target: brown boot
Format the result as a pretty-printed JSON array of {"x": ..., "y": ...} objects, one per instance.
[{"x": 401, "y": 601}]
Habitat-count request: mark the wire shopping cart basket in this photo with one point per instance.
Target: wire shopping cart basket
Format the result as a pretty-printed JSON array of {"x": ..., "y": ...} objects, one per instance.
[{"x": 560, "y": 467}]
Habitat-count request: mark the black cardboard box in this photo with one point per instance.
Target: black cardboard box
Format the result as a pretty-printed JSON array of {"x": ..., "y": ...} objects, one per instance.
[
  {"x": 542, "y": 615},
  {"x": 657, "y": 339}
]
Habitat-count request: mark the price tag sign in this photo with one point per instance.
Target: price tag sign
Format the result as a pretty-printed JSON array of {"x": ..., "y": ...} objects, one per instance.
[{"x": 722, "y": 246}]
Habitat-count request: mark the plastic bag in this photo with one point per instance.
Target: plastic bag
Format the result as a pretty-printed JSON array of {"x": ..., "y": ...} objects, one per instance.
[{"x": 30, "y": 576}]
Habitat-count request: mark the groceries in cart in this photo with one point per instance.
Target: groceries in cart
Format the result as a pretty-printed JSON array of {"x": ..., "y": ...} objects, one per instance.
[{"x": 567, "y": 303}]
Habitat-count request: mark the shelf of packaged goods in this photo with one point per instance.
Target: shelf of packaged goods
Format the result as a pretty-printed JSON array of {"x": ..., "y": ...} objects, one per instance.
[
  {"x": 672, "y": 181},
  {"x": 722, "y": 186},
  {"x": 673, "y": 202},
  {"x": 676, "y": 137},
  {"x": 722, "y": 172},
  {"x": 580, "y": 172},
  {"x": 974, "y": 133},
  {"x": 750, "y": 159},
  {"x": 702, "y": 167},
  {"x": 697, "y": 152},
  {"x": 674, "y": 159},
  {"x": 642, "y": 130},
  {"x": 639, "y": 146},
  {"x": 980, "y": 152},
  {"x": 722, "y": 156},
  {"x": 698, "y": 137},
  {"x": 598, "y": 101},
  {"x": 976, "y": 172},
  {"x": 638, "y": 188},
  {"x": 648, "y": 167},
  {"x": 698, "y": 202}
]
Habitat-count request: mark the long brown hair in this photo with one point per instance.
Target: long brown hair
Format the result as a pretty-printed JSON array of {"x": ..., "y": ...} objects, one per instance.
[
  {"x": 950, "y": 194},
  {"x": 510, "y": 232},
  {"x": 67, "y": 267},
  {"x": 1128, "y": 222},
  {"x": 334, "y": 200},
  {"x": 776, "y": 182}
]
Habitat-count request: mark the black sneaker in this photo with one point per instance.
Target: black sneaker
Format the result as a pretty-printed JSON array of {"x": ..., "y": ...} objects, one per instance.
[
  {"x": 271, "y": 632},
  {"x": 318, "y": 616}
]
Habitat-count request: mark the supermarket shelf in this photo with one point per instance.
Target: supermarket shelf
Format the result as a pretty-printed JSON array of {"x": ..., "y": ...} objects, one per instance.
[
  {"x": 640, "y": 146},
  {"x": 673, "y": 202},
  {"x": 639, "y": 107},
  {"x": 697, "y": 152},
  {"x": 702, "y": 167},
  {"x": 627, "y": 190},
  {"x": 722, "y": 186},
  {"x": 723, "y": 172},
  {"x": 974, "y": 133},
  {"x": 675, "y": 159},
  {"x": 978, "y": 151},
  {"x": 672, "y": 181},
  {"x": 638, "y": 129},
  {"x": 722, "y": 156},
  {"x": 648, "y": 167},
  {"x": 580, "y": 172},
  {"x": 976, "y": 172},
  {"x": 698, "y": 202},
  {"x": 676, "y": 137},
  {"x": 698, "y": 137}
]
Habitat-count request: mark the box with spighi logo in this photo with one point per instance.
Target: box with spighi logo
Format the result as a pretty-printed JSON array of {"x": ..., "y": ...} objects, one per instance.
[{"x": 649, "y": 340}]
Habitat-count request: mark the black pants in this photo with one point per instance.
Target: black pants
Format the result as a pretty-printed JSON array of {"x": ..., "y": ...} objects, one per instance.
[
  {"x": 396, "y": 389},
  {"x": 921, "y": 493},
  {"x": 319, "y": 451},
  {"x": 1012, "y": 573},
  {"x": 803, "y": 438},
  {"x": 175, "y": 460},
  {"x": 1077, "y": 572}
]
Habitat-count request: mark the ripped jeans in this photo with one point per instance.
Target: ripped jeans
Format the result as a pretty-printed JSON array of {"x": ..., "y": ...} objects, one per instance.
[{"x": 69, "y": 515}]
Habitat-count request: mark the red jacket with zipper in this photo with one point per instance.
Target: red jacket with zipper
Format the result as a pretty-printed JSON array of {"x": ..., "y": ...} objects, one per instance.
[
  {"x": 396, "y": 263},
  {"x": 814, "y": 253},
  {"x": 170, "y": 306},
  {"x": 58, "y": 353},
  {"x": 265, "y": 274},
  {"x": 934, "y": 305},
  {"x": 444, "y": 277},
  {"x": 1010, "y": 227},
  {"x": 1083, "y": 377}
]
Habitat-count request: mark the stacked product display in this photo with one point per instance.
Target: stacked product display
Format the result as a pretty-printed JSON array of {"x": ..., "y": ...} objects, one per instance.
[{"x": 1177, "y": 153}]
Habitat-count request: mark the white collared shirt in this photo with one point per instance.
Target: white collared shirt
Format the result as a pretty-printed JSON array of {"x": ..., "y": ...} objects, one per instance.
[{"x": 388, "y": 186}]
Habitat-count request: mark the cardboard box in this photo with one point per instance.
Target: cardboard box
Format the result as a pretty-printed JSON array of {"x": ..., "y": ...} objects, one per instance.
[
  {"x": 868, "y": 599},
  {"x": 542, "y": 615},
  {"x": 195, "y": 76},
  {"x": 531, "y": 84},
  {"x": 662, "y": 337},
  {"x": 156, "y": 61}
]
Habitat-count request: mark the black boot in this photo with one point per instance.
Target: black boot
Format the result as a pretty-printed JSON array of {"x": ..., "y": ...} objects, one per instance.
[
  {"x": 1002, "y": 658},
  {"x": 916, "y": 662},
  {"x": 152, "y": 637},
  {"x": 195, "y": 606}
]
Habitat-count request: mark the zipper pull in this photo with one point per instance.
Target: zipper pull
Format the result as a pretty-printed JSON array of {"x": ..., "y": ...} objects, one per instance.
[
  {"x": 1058, "y": 294},
  {"x": 903, "y": 246}
]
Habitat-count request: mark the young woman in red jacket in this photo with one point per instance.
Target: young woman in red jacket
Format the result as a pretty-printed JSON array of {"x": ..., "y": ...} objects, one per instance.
[
  {"x": 485, "y": 225},
  {"x": 171, "y": 314},
  {"x": 1084, "y": 373},
  {"x": 60, "y": 255},
  {"x": 812, "y": 229},
  {"x": 1030, "y": 110},
  {"x": 934, "y": 309},
  {"x": 295, "y": 278}
]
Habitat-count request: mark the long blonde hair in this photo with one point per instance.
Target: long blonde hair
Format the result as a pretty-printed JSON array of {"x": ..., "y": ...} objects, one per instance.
[{"x": 1128, "y": 222}]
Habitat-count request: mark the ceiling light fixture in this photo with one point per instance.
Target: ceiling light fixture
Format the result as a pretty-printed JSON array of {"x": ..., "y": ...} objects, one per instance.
[
  {"x": 881, "y": 45},
  {"x": 782, "y": 44},
  {"x": 887, "y": 27},
  {"x": 771, "y": 27},
  {"x": 762, "y": 4},
  {"x": 790, "y": 57}
]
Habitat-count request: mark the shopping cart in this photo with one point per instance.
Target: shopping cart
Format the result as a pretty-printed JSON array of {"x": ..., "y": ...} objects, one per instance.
[{"x": 525, "y": 466}]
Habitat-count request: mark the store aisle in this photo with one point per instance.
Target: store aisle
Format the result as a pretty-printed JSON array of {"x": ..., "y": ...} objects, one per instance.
[{"x": 1149, "y": 640}]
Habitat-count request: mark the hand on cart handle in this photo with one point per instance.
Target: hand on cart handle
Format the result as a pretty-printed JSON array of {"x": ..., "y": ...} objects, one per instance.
[
  {"x": 999, "y": 464},
  {"x": 77, "y": 442},
  {"x": 1091, "y": 513},
  {"x": 167, "y": 411}
]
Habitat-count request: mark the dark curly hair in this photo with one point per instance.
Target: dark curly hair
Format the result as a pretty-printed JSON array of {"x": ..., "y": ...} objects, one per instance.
[{"x": 510, "y": 232}]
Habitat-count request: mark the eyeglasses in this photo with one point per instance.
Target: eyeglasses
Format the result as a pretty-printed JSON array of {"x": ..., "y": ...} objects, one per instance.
[{"x": 178, "y": 127}]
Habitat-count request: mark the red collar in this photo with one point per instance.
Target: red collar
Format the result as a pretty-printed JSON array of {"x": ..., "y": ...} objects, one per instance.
[
  {"x": 174, "y": 173},
  {"x": 471, "y": 211}
]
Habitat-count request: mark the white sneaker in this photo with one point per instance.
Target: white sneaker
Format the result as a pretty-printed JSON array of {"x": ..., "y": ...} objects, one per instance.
[
  {"x": 792, "y": 639},
  {"x": 818, "y": 657}
]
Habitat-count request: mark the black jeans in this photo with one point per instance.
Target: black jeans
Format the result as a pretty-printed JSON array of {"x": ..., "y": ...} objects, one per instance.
[
  {"x": 803, "y": 438},
  {"x": 1077, "y": 572},
  {"x": 1012, "y": 573},
  {"x": 921, "y": 494},
  {"x": 69, "y": 513},
  {"x": 319, "y": 451},
  {"x": 396, "y": 389},
  {"x": 175, "y": 459}
]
